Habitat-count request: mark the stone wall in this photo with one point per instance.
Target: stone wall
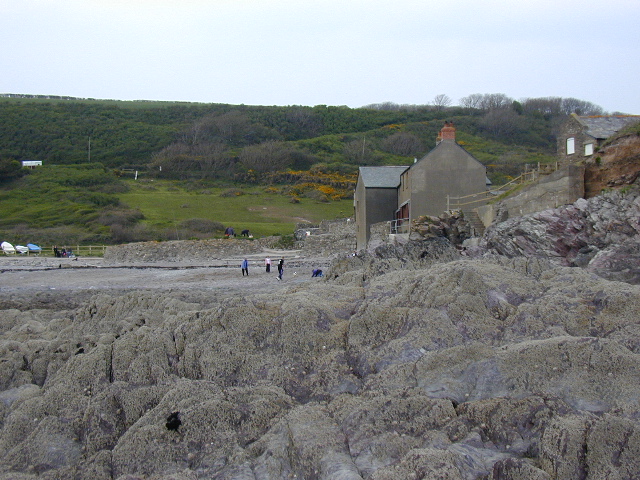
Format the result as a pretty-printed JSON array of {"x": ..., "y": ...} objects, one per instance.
[{"x": 562, "y": 187}]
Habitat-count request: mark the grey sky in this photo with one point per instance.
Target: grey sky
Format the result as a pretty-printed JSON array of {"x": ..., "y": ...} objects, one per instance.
[{"x": 332, "y": 52}]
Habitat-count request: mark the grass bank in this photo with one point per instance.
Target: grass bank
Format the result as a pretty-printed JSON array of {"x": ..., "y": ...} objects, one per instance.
[{"x": 262, "y": 211}]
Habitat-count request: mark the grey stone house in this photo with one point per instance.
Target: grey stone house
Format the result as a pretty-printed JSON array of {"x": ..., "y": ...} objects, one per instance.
[
  {"x": 432, "y": 185},
  {"x": 580, "y": 136}
]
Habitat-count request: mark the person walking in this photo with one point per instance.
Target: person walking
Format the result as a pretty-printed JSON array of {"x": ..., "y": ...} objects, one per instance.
[
  {"x": 280, "y": 268},
  {"x": 245, "y": 267},
  {"x": 267, "y": 264}
]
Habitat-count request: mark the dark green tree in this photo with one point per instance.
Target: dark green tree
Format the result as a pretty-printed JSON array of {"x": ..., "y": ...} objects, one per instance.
[{"x": 10, "y": 170}]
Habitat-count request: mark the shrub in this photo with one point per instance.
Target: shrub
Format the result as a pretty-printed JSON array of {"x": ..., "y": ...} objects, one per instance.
[
  {"x": 119, "y": 216},
  {"x": 317, "y": 195},
  {"x": 286, "y": 242},
  {"x": 136, "y": 233},
  {"x": 201, "y": 225},
  {"x": 232, "y": 192},
  {"x": 114, "y": 188}
]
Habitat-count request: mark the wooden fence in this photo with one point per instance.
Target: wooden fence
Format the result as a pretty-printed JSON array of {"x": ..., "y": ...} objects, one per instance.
[{"x": 78, "y": 250}]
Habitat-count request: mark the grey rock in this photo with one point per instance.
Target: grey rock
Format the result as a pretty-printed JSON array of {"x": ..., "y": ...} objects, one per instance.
[
  {"x": 405, "y": 361},
  {"x": 600, "y": 234}
]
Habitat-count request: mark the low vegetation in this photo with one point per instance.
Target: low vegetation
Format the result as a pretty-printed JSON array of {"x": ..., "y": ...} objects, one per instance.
[
  {"x": 129, "y": 171},
  {"x": 88, "y": 204}
]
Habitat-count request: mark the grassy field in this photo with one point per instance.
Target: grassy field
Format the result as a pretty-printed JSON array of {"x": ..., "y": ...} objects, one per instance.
[{"x": 165, "y": 205}]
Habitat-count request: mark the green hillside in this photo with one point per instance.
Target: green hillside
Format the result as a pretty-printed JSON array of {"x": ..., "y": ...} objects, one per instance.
[
  {"x": 187, "y": 140},
  {"x": 200, "y": 167}
]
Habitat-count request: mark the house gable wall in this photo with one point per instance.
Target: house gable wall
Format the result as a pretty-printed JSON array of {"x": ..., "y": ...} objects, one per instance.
[
  {"x": 572, "y": 128},
  {"x": 447, "y": 170}
]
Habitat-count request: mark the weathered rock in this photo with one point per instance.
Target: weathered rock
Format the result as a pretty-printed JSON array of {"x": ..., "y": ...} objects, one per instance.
[
  {"x": 601, "y": 234},
  {"x": 517, "y": 469},
  {"x": 408, "y": 361}
]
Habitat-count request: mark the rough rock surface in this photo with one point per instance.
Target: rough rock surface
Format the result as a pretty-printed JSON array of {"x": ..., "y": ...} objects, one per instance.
[
  {"x": 408, "y": 361},
  {"x": 601, "y": 234}
]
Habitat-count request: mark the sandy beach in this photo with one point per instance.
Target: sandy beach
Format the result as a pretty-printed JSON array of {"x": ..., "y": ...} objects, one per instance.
[{"x": 25, "y": 274}]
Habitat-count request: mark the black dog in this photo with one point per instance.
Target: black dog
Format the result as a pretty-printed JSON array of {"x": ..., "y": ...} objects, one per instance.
[
  {"x": 244, "y": 233},
  {"x": 173, "y": 421}
]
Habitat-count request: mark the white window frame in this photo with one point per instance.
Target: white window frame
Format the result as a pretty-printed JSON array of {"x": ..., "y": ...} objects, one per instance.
[
  {"x": 588, "y": 149},
  {"x": 571, "y": 146}
]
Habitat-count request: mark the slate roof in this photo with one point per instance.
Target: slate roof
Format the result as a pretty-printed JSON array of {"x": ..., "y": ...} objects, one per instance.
[
  {"x": 381, "y": 177},
  {"x": 602, "y": 127}
]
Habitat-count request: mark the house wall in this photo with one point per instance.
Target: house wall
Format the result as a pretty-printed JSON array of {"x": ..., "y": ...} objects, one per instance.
[
  {"x": 360, "y": 212},
  {"x": 572, "y": 128},
  {"x": 446, "y": 170},
  {"x": 404, "y": 191},
  {"x": 372, "y": 205}
]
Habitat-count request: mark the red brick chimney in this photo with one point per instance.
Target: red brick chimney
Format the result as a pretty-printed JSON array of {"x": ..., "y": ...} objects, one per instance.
[{"x": 448, "y": 132}]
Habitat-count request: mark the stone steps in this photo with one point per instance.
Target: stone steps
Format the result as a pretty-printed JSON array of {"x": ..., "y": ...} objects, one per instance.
[{"x": 477, "y": 227}]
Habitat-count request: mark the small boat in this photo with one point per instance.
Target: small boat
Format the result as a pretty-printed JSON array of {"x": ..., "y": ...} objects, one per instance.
[
  {"x": 7, "y": 248},
  {"x": 21, "y": 249},
  {"x": 33, "y": 248}
]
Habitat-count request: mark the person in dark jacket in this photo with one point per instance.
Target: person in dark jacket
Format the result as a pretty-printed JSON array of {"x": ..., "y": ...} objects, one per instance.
[
  {"x": 280, "y": 268},
  {"x": 245, "y": 267}
]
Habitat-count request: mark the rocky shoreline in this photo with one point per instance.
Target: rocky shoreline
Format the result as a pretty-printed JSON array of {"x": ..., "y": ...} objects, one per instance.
[{"x": 412, "y": 361}]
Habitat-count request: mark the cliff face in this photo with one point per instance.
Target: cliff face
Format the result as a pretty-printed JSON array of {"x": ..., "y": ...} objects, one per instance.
[{"x": 617, "y": 165}]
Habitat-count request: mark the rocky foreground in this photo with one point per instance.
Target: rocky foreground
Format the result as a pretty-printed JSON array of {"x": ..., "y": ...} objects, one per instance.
[{"x": 410, "y": 362}]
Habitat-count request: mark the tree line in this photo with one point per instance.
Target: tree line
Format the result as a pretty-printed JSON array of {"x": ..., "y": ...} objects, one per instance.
[{"x": 185, "y": 140}]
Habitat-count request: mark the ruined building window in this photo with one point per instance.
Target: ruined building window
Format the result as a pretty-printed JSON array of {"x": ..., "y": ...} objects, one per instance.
[
  {"x": 571, "y": 146},
  {"x": 588, "y": 149}
]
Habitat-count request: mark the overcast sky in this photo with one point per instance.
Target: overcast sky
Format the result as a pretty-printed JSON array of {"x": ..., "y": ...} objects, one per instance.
[{"x": 322, "y": 52}]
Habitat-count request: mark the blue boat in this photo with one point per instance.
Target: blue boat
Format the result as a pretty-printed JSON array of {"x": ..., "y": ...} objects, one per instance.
[{"x": 33, "y": 248}]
